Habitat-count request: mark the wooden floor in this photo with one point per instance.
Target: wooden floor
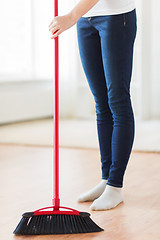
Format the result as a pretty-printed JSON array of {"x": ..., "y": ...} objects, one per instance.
[{"x": 26, "y": 185}]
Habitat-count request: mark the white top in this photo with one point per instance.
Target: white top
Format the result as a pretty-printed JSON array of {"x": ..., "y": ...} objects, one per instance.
[{"x": 110, "y": 7}]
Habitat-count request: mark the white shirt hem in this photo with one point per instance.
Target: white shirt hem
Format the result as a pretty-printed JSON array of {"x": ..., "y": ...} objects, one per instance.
[{"x": 109, "y": 11}]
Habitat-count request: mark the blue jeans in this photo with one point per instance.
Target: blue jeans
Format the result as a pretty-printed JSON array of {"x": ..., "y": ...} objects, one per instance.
[{"x": 106, "y": 50}]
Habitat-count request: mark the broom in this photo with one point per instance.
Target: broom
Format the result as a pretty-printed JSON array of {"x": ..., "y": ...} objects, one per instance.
[{"x": 57, "y": 220}]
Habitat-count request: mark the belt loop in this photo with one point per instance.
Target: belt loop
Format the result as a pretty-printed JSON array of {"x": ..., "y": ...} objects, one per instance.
[{"x": 124, "y": 19}]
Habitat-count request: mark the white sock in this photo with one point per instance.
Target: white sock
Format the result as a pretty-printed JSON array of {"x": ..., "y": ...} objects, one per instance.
[
  {"x": 93, "y": 193},
  {"x": 110, "y": 198}
]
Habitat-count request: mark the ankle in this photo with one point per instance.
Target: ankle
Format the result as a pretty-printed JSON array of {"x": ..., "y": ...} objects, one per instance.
[
  {"x": 103, "y": 181},
  {"x": 118, "y": 189}
]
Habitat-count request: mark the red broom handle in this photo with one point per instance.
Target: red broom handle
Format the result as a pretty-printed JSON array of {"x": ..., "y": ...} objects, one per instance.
[{"x": 56, "y": 200}]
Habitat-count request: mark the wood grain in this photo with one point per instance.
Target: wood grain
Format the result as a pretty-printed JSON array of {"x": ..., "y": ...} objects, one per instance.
[{"x": 26, "y": 185}]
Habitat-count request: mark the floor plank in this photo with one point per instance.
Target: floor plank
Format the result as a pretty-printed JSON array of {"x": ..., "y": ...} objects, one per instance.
[{"x": 26, "y": 185}]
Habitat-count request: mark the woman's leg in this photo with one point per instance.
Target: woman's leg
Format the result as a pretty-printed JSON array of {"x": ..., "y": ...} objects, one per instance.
[
  {"x": 90, "y": 53},
  {"x": 117, "y": 34}
]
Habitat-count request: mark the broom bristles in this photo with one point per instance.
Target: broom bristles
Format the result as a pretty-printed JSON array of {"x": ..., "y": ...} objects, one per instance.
[{"x": 56, "y": 224}]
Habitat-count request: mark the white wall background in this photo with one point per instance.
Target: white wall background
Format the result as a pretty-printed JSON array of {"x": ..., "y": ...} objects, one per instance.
[{"x": 27, "y": 63}]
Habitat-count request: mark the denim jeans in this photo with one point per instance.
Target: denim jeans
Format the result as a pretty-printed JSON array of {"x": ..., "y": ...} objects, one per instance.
[{"x": 106, "y": 46}]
